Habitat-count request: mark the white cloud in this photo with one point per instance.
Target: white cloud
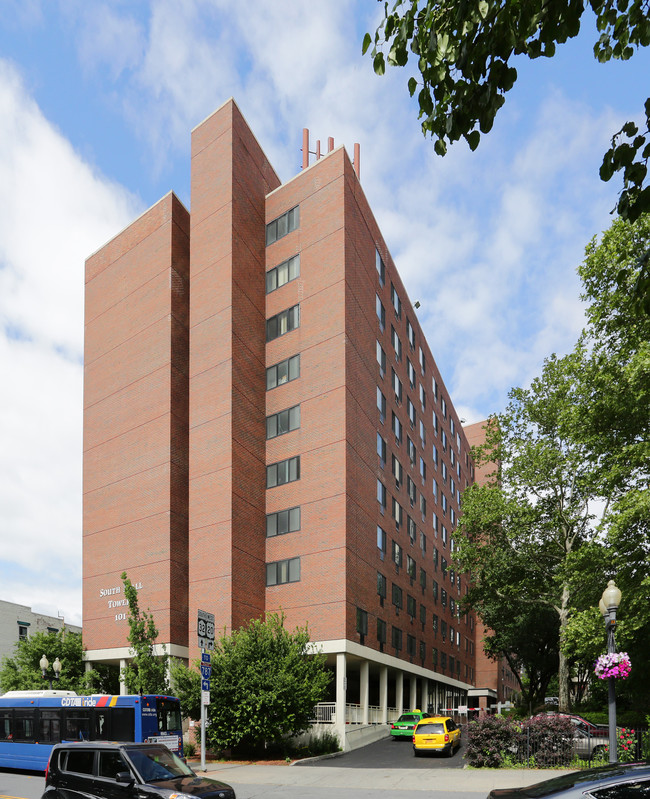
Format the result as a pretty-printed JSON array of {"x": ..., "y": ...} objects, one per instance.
[{"x": 55, "y": 212}]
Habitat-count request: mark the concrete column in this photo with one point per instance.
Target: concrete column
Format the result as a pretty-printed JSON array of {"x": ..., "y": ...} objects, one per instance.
[
  {"x": 424, "y": 695},
  {"x": 341, "y": 685},
  {"x": 122, "y": 683},
  {"x": 383, "y": 693},
  {"x": 88, "y": 666},
  {"x": 414, "y": 693},
  {"x": 399, "y": 692},
  {"x": 364, "y": 679}
]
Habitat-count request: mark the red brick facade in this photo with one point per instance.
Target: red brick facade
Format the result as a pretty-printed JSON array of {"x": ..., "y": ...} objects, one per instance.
[{"x": 176, "y": 451}]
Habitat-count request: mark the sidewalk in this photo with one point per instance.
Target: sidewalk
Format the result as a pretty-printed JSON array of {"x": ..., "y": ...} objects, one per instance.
[{"x": 399, "y": 779}]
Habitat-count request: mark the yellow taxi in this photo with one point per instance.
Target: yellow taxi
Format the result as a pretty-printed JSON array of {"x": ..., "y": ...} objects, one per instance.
[{"x": 436, "y": 734}]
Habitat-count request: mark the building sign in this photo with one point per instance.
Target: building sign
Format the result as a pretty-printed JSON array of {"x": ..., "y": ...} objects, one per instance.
[{"x": 116, "y": 600}]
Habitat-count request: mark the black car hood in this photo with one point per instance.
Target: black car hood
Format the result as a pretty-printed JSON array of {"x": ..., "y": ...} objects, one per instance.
[{"x": 192, "y": 786}]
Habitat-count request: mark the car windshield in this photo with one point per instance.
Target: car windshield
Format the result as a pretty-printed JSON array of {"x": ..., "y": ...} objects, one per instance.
[
  {"x": 408, "y": 717},
  {"x": 155, "y": 763},
  {"x": 431, "y": 729}
]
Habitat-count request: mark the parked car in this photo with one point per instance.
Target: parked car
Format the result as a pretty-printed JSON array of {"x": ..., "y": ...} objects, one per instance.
[
  {"x": 102, "y": 770},
  {"x": 588, "y": 746},
  {"x": 599, "y": 730},
  {"x": 629, "y": 781},
  {"x": 405, "y": 724},
  {"x": 436, "y": 734}
]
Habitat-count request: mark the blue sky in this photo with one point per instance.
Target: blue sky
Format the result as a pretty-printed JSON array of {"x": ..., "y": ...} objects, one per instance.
[{"x": 97, "y": 101}]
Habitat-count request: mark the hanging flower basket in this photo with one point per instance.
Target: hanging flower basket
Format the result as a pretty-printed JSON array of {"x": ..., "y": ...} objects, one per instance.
[{"x": 615, "y": 665}]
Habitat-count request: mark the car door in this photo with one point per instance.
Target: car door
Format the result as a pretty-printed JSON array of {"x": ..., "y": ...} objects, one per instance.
[
  {"x": 109, "y": 764},
  {"x": 75, "y": 776}
]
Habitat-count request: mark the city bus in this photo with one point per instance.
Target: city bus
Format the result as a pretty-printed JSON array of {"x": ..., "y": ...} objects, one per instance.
[{"x": 31, "y": 722}]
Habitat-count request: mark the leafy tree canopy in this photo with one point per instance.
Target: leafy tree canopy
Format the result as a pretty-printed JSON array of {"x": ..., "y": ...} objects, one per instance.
[
  {"x": 22, "y": 672},
  {"x": 265, "y": 683},
  {"x": 464, "y": 52},
  {"x": 146, "y": 672}
]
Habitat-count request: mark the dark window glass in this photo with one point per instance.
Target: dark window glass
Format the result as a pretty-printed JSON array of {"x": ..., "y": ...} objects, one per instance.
[
  {"x": 283, "y": 571},
  {"x": 283, "y": 372},
  {"x": 283, "y": 472},
  {"x": 24, "y": 727},
  {"x": 283, "y": 422},
  {"x": 80, "y": 761},
  {"x": 283, "y": 323},
  {"x": 283, "y": 521},
  {"x": 284, "y": 224},
  {"x": 283, "y": 273},
  {"x": 50, "y": 726}
]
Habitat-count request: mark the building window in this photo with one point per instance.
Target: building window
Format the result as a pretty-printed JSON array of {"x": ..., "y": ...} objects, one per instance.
[
  {"x": 283, "y": 571},
  {"x": 397, "y": 303},
  {"x": 434, "y": 386},
  {"x": 284, "y": 224},
  {"x": 423, "y": 396},
  {"x": 381, "y": 359},
  {"x": 423, "y": 543},
  {"x": 435, "y": 624},
  {"x": 443, "y": 597},
  {"x": 286, "y": 471},
  {"x": 381, "y": 587},
  {"x": 423, "y": 580},
  {"x": 423, "y": 363},
  {"x": 423, "y": 507},
  {"x": 434, "y": 653},
  {"x": 423, "y": 434},
  {"x": 283, "y": 422},
  {"x": 397, "y": 596},
  {"x": 435, "y": 590},
  {"x": 397, "y": 513},
  {"x": 381, "y": 496},
  {"x": 381, "y": 404},
  {"x": 381, "y": 633},
  {"x": 434, "y": 487},
  {"x": 443, "y": 661},
  {"x": 443, "y": 630},
  {"x": 410, "y": 529},
  {"x": 434, "y": 455},
  {"x": 410, "y": 371},
  {"x": 283, "y": 521},
  {"x": 410, "y": 450},
  {"x": 283, "y": 372},
  {"x": 283, "y": 323},
  {"x": 381, "y": 541},
  {"x": 410, "y": 646},
  {"x": 381, "y": 450},
  {"x": 397, "y": 343},
  {"x": 410, "y": 408},
  {"x": 396, "y": 638},
  {"x": 283, "y": 273},
  {"x": 397, "y": 555},
  {"x": 381, "y": 268},
  {"x": 397, "y": 387},
  {"x": 23, "y": 630},
  {"x": 443, "y": 405},
  {"x": 435, "y": 424},
  {"x": 362, "y": 623},
  {"x": 411, "y": 567},
  {"x": 411, "y": 606},
  {"x": 381, "y": 313},
  {"x": 397, "y": 428},
  {"x": 410, "y": 333},
  {"x": 435, "y": 559},
  {"x": 423, "y": 470},
  {"x": 398, "y": 472},
  {"x": 411, "y": 490}
]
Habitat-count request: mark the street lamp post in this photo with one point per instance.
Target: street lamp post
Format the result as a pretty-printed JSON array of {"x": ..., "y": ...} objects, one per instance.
[
  {"x": 44, "y": 663},
  {"x": 608, "y": 606}
]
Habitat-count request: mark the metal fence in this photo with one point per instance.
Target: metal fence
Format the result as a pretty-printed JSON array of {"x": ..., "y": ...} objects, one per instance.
[{"x": 584, "y": 748}]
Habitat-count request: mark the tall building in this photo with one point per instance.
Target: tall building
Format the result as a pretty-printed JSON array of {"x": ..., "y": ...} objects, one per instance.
[
  {"x": 266, "y": 430},
  {"x": 18, "y": 622}
]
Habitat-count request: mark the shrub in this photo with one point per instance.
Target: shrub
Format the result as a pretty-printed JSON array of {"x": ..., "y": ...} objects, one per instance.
[
  {"x": 189, "y": 749},
  {"x": 549, "y": 738},
  {"x": 488, "y": 740},
  {"x": 324, "y": 744}
]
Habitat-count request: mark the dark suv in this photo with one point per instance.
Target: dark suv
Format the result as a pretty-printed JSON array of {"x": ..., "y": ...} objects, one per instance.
[{"x": 125, "y": 771}]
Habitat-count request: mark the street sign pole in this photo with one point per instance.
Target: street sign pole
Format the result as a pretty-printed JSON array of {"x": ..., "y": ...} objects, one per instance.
[
  {"x": 205, "y": 632},
  {"x": 202, "y": 725}
]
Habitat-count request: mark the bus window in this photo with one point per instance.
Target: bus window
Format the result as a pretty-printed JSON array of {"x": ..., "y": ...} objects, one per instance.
[
  {"x": 24, "y": 725},
  {"x": 122, "y": 724},
  {"x": 50, "y": 726},
  {"x": 6, "y": 733},
  {"x": 77, "y": 726},
  {"x": 169, "y": 715}
]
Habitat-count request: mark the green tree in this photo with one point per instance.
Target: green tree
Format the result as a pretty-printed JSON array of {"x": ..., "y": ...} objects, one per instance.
[
  {"x": 265, "y": 683},
  {"x": 464, "y": 54},
  {"x": 186, "y": 685},
  {"x": 520, "y": 531},
  {"x": 146, "y": 672},
  {"x": 22, "y": 672}
]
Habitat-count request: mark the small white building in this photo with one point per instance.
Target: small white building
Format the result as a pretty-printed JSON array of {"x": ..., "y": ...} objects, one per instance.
[{"x": 19, "y": 621}]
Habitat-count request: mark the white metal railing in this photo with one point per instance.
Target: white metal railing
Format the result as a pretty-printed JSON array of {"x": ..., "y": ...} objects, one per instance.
[{"x": 325, "y": 713}]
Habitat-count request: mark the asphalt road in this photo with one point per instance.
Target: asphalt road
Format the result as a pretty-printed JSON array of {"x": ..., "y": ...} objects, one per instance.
[
  {"x": 389, "y": 753},
  {"x": 21, "y": 785}
]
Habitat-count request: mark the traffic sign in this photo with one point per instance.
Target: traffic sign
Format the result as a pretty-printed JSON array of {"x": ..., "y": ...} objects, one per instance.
[
  {"x": 205, "y": 685},
  {"x": 205, "y": 698},
  {"x": 205, "y": 629},
  {"x": 206, "y": 670},
  {"x": 206, "y": 657}
]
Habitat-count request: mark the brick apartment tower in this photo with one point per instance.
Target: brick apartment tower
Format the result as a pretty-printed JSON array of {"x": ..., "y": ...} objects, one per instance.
[{"x": 266, "y": 429}]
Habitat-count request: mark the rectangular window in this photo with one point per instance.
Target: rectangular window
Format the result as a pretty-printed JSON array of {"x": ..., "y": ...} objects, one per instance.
[
  {"x": 283, "y": 372},
  {"x": 283, "y": 323},
  {"x": 397, "y": 386},
  {"x": 451, "y": 427},
  {"x": 410, "y": 333},
  {"x": 286, "y": 471},
  {"x": 381, "y": 586},
  {"x": 411, "y": 567},
  {"x": 443, "y": 597},
  {"x": 381, "y": 496},
  {"x": 423, "y": 434},
  {"x": 423, "y": 543},
  {"x": 283, "y": 521},
  {"x": 423, "y": 579},
  {"x": 284, "y": 224},
  {"x": 410, "y": 407},
  {"x": 283, "y": 273},
  {"x": 398, "y": 472},
  {"x": 435, "y": 590},
  {"x": 381, "y": 541},
  {"x": 410, "y": 646},
  {"x": 423, "y": 397},
  {"x": 435, "y": 624},
  {"x": 283, "y": 422},
  {"x": 397, "y": 596},
  {"x": 396, "y": 638},
  {"x": 381, "y": 312},
  {"x": 434, "y": 486},
  {"x": 381, "y": 268},
  {"x": 411, "y": 490},
  {"x": 443, "y": 661},
  {"x": 423, "y": 363},
  {"x": 444, "y": 504},
  {"x": 397, "y": 428},
  {"x": 411, "y": 606},
  {"x": 410, "y": 529},
  {"x": 423, "y": 470},
  {"x": 434, "y": 653},
  {"x": 435, "y": 424},
  {"x": 381, "y": 450},
  {"x": 396, "y": 342},
  {"x": 410, "y": 371},
  {"x": 362, "y": 622},
  {"x": 443, "y": 630},
  {"x": 435, "y": 559},
  {"x": 381, "y": 359},
  {"x": 381, "y": 405},
  {"x": 283, "y": 571},
  {"x": 410, "y": 450},
  {"x": 443, "y": 405},
  {"x": 397, "y": 513},
  {"x": 397, "y": 303},
  {"x": 397, "y": 554},
  {"x": 381, "y": 631},
  {"x": 434, "y": 386},
  {"x": 423, "y": 506}
]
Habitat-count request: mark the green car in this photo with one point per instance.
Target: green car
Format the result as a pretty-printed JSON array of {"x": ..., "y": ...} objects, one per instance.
[{"x": 405, "y": 724}]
